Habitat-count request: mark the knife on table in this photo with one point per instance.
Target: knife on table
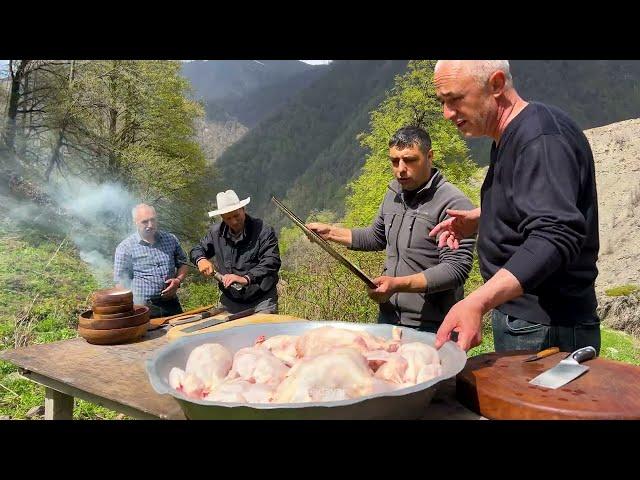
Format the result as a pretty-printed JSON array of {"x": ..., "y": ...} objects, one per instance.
[
  {"x": 215, "y": 321},
  {"x": 199, "y": 316}
]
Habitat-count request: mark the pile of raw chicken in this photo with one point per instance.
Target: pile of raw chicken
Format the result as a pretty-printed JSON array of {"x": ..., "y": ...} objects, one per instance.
[{"x": 323, "y": 364}]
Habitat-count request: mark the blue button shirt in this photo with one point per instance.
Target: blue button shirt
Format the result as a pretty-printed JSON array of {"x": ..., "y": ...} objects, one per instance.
[{"x": 144, "y": 267}]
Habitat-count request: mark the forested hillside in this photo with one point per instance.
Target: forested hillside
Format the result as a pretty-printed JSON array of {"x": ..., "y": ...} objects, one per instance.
[
  {"x": 247, "y": 90},
  {"x": 315, "y": 134}
]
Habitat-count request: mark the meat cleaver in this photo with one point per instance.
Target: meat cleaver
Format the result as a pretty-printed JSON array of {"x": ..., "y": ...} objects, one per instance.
[{"x": 567, "y": 370}]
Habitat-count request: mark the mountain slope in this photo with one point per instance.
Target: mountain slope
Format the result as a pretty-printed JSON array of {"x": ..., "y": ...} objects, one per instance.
[
  {"x": 310, "y": 145},
  {"x": 592, "y": 92},
  {"x": 616, "y": 151},
  {"x": 247, "y": 90}
]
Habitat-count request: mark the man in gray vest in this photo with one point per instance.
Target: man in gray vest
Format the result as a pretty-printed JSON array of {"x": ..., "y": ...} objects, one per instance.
[{"x": 420, "y": 281}]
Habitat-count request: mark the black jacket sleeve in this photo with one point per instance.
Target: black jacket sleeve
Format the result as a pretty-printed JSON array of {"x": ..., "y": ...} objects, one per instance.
[
  {"x": 204, "y": 249},
  {"x": 268, "y": 257},
  {"x": 546, "y": 190}
]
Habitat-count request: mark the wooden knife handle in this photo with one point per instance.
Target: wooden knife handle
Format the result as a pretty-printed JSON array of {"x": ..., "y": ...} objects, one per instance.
[
  {"x": 547, "y": 352},
  {"x": 179, "y": 316}
]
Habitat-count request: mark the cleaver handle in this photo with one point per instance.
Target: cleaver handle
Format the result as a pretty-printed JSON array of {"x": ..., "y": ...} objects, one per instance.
[
  {"x": 235, "y": 285},
  {"x": 584, "y": 354}
]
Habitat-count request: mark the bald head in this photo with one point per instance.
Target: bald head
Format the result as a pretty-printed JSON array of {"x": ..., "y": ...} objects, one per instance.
[
  {"x": 142, "y": 209},
  {"x": 477, "y": 95},
  {"x": 481, "y": 70},
  {"x": 144, "y": 216}
]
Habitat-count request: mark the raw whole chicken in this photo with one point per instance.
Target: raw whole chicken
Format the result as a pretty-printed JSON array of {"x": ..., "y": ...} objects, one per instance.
[
  {"x": 189, "y": 384},
  {"x": 423, "y": 362},
  {"x": 258, "y": 365},
  {"x": 323, "y": 339},
  {"x": 210, "y": 362},
  {"x": 282, "y": 346},
  {"x": 413, "y": 363},
  {"x": 336, "y": 375},
  {"x": 324, "y": 364}
]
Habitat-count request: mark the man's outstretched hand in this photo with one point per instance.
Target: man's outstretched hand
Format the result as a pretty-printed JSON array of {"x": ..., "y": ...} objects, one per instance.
[{"x": 462, "y": 224}]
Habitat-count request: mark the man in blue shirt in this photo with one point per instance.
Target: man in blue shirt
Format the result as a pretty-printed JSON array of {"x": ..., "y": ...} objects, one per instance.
[{"x": 152, "y": 264}]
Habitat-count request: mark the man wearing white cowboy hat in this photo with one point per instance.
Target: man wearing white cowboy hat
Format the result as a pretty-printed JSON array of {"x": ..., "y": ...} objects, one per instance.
[{"x": 245, "y": 251}]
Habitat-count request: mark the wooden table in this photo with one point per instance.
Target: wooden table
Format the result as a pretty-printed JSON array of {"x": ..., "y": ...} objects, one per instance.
[{"x": 114, "y": 376}]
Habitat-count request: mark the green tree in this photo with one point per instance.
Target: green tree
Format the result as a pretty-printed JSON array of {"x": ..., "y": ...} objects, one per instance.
[{"x": 130, "y": 122}]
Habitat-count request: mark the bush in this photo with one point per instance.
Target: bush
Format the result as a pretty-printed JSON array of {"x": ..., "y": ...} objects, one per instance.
[
  {"x": 198, "y": 291},
  {"x": 622, "y": 290},
  {"x": 316, "y": 287}
]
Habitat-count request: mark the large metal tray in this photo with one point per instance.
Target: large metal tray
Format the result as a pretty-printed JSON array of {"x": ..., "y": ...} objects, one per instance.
[{"x": 406, "y": 403}]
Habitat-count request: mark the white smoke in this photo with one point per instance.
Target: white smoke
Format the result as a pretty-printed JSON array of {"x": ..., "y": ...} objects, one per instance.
[
  {"x": 95, "y": 217},
  {"x": 101, "y": 216},
  {"x": 101, "y": 266}
]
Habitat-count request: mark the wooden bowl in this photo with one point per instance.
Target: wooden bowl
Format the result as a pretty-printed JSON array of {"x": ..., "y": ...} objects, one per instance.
[
  {"x": 112, "y": 316},
  {"x": 113, "y": 336},
  {"x": 112, "y": 309},
  {"x": 90, "y": 321},
  {"x": 112, "y": 297}
]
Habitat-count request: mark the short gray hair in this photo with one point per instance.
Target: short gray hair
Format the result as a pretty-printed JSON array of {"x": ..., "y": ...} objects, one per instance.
[
  {"x": 135, "y": 209},
  {"x": 481, "y": 70}
]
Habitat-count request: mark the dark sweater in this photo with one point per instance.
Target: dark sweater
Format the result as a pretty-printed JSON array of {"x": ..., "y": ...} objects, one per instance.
[{"x": 539, "y": 216}]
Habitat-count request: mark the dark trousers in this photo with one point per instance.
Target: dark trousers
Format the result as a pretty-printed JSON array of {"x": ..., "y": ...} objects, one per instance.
[
  {"x": 268, "y": 303},
  {"x": 386, "y": 316},
  {"x": 510, "y": 333},
  {"x": 163, "y": 308}
]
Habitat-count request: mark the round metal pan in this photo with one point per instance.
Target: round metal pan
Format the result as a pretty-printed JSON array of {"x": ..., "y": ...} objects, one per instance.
[{"x": 405, "y": 403}]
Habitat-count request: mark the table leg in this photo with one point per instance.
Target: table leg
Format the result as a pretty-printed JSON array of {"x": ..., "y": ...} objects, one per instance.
[{"x": 57, "y": 405}]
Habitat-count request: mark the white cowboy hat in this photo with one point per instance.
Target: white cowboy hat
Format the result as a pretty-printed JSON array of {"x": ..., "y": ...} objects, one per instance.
[{"x": 228, "y": 202}]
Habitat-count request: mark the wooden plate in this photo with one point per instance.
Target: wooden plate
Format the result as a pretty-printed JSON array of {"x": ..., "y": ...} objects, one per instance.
[
  {"x": 113, "y": 336},
  {"x": 92, "y": 322},
  {"x": 112, "y": 309}
]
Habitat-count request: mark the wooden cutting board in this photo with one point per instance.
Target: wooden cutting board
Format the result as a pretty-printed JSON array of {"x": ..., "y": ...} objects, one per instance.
[
  {"x": 496, "y": 385},
  {"x": 177, "y": 331}
]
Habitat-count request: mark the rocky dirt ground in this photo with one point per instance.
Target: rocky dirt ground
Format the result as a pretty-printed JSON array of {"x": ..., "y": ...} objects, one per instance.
[{"x": 616, "y": 150}]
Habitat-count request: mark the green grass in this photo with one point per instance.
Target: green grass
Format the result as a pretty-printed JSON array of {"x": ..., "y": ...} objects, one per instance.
[
  {"x": 620, "y": 346},
  {"x": 33, "y": 267},
  {"x": 622, "y": 290},
  {"x": 197, "y": 292}
]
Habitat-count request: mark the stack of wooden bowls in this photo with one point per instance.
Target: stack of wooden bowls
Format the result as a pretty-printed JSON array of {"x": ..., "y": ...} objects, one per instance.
[{"x": 113, "y": 318}]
